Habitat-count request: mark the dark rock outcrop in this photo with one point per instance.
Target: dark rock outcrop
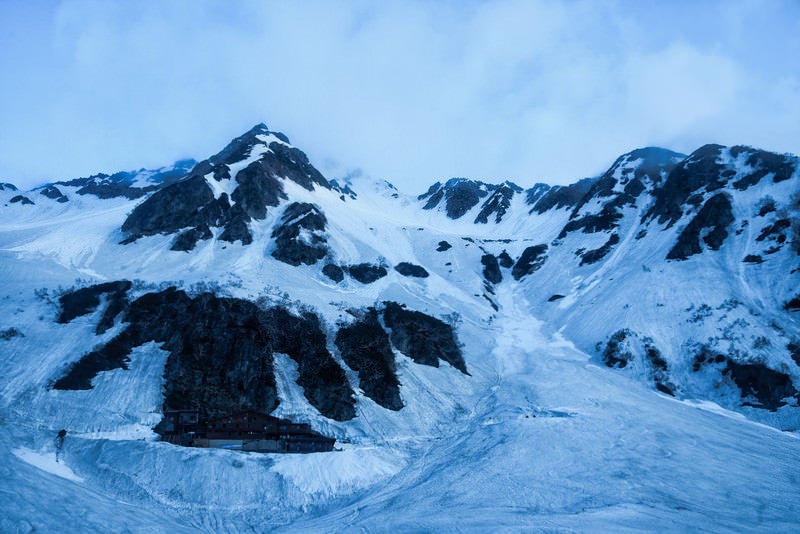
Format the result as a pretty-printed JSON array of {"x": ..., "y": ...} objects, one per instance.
[
  {"x": 505, "y": 260},
  {"x": 257, "y": 189},
  {"x": 220, "y": 354},
  {"x": 10, "y": 333},
  {"x": 491, "y": 269},
  {"x": 560, "y": 196},
  {"x": 459, "y": 194},
  {"x": 334, "y": 272},
  {"x": 443, "y": 245},
  {"x": 324, "y": 383},
  {"x": 761, "y": 386},
  {"x": 411, "y": 270},
  {"x": 5, "y": 186},
  {"x": 763, "y": 163},
  {"x": 715, "y": 216},
  {"x": 776, "y": 233},
  {"x": 86, "y": 300},
  {"x": 191, "y": 203},
  {"x": 122, "y": 184},
  {"x": 616, "y": 354},
  {"x": 701, "y": 170},
  {"x": 22, "y": 199},
  {"x": 535, "y": 193},
  {"x": 595, "y": 255},
  {"x": 365, "y": 348},
  {"x": 188, "y": 239},
  {"x": 423, "y": 338},
  {"x": 794, "y": 350},
  {"x": 54, "y": 193},
  {"x": 366, "y": 273},
  {"x": 299, "y": 238},
  {"x": 498, "y": 203},
  {"x": 658, "y": 365},
  {"x": 181, "y": 205},
  {"x": 637, "y": 171},
  {"x": 530, "y": 261}
]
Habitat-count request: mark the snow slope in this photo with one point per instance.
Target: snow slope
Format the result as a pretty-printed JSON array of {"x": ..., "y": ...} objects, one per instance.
[{"x": 540, "y": 436}]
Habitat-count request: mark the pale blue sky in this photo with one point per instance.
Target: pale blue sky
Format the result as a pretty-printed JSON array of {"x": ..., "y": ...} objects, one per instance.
[{"x": 409, "y": 91}]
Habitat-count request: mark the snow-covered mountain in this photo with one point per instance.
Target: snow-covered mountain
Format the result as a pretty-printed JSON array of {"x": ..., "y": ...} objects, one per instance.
[{"x": 619, "y": 354}]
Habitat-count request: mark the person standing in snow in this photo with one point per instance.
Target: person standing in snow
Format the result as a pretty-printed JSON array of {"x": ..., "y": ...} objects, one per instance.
[{"x": 60, "y": 442}]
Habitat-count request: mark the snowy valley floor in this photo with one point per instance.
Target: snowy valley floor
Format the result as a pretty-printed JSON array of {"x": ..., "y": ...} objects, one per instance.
[{"x": 552, "y": 443}]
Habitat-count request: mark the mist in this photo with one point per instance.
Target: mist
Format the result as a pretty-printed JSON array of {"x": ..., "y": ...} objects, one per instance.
[{"x": 407, "y": 91}]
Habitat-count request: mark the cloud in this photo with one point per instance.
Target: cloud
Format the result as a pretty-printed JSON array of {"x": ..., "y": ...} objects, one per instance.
[{"x": 409, "y": 91}]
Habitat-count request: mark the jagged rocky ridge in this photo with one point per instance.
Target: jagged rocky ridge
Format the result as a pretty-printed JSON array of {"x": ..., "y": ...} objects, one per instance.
[
  {"x": 225, "y": 192},
  {"x": 696, "y": 200}
]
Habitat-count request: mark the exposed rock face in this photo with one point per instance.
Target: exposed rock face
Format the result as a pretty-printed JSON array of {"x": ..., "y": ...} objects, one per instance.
[
  {"x": 530, "y": 261},
  {"x": 760, "y": 386},
  {"x": 616, "y": 354},
  {"x": 423, "y": 338},
  {"x": 366, "y": 273},
  {"x": 792, "y": 304},
  {"x": 22, "y": 199},
  {"x": 535, "y": 193},
  {"x": 257, "y": 190},
  {"x": 558, "y": 197},
  {"x": 491, "y": 269},
  {"x": 505, "y": 260},
  {"x": 622, "y": 184},
  {"x": 763, "y": 163},
  {"x": 700, "y": 170},
  {"x": 334, "y": 272},
  {"x": 443, "y": 246},
  {"x": 10, "y": 333},
  {"x": 460, "y": 195},
  {"x": 181, "y": 205},
  {"x": 714, "y": 218},
  {"x": 86, "y": 300},
  {"x": 365, "y": 348},
  {"x": 619, "y": 353},
  {"x": 124, "y": 184},
  {"x": 187, "y": 239},
  {"x": 300, "y": 236},
  {"x": 323, "y": 381},
  {"x": 498, "y": 203},
  {"x": 411, "y": 270},
  {"x": 595, "y": 255},
  {"x": 5, "y": 186},
  {"x": 54, "y": 193},
  {"x": 191, "y": 202},
  {"x": 220, "y": 354}
]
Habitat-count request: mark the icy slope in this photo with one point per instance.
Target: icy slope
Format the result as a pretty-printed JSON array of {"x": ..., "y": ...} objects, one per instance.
[{"x": 545, "y": 440}]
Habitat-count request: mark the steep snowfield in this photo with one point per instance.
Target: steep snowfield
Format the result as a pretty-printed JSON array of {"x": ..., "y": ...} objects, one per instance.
[{"x": 540, "y": 435}]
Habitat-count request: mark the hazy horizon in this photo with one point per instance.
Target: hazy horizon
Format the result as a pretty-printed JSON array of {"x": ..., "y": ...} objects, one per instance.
[{"x": 407, "y": 91}]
